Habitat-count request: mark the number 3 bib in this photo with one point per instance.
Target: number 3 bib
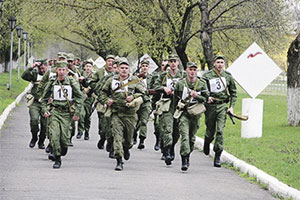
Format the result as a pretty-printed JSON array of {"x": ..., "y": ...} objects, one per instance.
[{"x": 216, "y": 85}]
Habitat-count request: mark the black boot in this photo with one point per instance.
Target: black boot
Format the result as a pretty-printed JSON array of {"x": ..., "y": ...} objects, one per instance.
[
  {"x": 33, "y": 140},
  {"x": 100, "y": 144},
  {"x": 70, "y": 143},
  {"x": 217, "y": 160},
  {"x": 126, "y": 154},
  {"x": 86, "y": 135},
  {"x": 49, "y": 148},
  {"x": 109, "y": 145},
  {"x": 184, "y": 163},
  {"x": 157, "y": 143},
  {"x": 141, "y": 144},
  {"x": 188, "y": 160},
  {"x": 41, "y": 142},
  {"x": 172, "y": 152},
  {"x": 111, "y": 154},
  {"x": 79, "y": 135},
  {"x": 168, "y": 159},
  {"x": 206, "y": 146},
  {"x": 64, "y": 151},
  {"x": 134, "y": 137},
  {"x": 119, "y": 166},
  {"x": 51, "y": 157},
  {"x": 57, "y": 162}
]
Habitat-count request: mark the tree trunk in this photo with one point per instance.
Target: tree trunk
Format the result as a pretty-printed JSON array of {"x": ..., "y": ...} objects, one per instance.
[
  {"x": 293, "y": 83},
  {"x": 206, "y": 35},
  {"x": 180, "y": 50}
]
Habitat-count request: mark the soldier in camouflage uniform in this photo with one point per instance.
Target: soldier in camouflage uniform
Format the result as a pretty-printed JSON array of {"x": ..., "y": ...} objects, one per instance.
[
  {"x": 165, "y": 84},
  {"x": 87, "y": 86},
  {"x": 34, "y": 75},
  {"x": 155, "y": 97},
  {"x": 119, "y": 94},
  {"x": 189, "y": 92},
  {"x": 64, "y": 96},
  {"x": 99, "y": 77},
  {"x": 222, "y": 91},
  {"x": 145, "y": 109}
]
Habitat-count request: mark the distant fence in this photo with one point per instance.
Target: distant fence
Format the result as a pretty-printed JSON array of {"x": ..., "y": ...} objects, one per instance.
[{"x": 278, "y": 85}]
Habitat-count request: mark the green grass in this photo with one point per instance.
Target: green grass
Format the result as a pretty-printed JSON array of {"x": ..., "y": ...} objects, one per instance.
[
  {"x": 277, "y": 152},
  {"x": 17, "y": 87}
]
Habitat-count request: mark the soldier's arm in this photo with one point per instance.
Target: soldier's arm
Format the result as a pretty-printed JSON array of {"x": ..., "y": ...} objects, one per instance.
[
  {"x": 28, "y": 75},
  {"x": 45, "y": 96},
  {"x": 232, "y": 92},
  {"x": 43, "y": 83},
  {"x": 203, "y": 96},
  {"x": 177, "y": 94},
  {"x": 77, "y": 97},
  {"x": 105, "y": 92},
  {"x": 158, "y": 85}
]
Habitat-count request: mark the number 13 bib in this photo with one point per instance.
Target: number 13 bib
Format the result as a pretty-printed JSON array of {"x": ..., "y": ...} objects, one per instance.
[{"x": 59, "y": 95}]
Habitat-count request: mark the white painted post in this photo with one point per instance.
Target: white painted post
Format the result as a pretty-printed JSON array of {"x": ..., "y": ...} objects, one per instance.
[{"x": 253, "y": 108}]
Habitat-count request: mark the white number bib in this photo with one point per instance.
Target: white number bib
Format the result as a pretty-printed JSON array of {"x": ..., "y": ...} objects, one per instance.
[
  {"x": 216, "y": 85},
  {"x": 171, "y": 83},
  {"x": 116, "y": 84},
  {"x": 39, "y": 78},
  {"x": 58, "y": 94}
]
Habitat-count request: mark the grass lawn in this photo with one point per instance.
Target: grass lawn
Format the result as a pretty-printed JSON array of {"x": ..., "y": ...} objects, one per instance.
[
  {"x": 277, "y": 152},
  {"x": 17, "y": 87}
]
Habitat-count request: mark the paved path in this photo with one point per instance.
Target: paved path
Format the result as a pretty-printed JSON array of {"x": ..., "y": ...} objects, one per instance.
[{"x": 88, "y": 173}]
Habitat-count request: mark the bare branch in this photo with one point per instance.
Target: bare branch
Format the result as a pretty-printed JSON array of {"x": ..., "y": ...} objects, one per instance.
[
  {"x": 226, "y": 10},
  {"x": 168, "y": 16},
  {"x": 214, "y": 6}
]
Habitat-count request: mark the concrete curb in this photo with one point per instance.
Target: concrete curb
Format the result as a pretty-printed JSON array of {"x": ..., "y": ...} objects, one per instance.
[
  {"x": 273, "y": 184},
  {"x": 9, "y": 108}
]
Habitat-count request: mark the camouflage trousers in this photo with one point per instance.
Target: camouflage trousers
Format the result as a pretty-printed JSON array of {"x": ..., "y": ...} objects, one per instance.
[
  {"x": 188, "y": 126},
  {"x": 59, "y": 123},
  {"x": 84, "y": 123},
  {"x": 168, "y": 129},
  {"x": 143, "y": 118},
  {"x": 122, "y": 131},
  {"x": 37, "y": 122},
  {"x": 215, "y": 119}
]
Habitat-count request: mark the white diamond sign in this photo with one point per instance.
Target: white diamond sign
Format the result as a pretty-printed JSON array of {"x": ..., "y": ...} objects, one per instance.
[
  {"x": 254, "y": 70},
  {"x": 152, "y": 66}
]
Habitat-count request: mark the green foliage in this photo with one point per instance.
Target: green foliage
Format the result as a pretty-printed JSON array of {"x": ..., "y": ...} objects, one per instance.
[
  {"x": 277, "y": 152},
  {"x": 17, "y": 87}
]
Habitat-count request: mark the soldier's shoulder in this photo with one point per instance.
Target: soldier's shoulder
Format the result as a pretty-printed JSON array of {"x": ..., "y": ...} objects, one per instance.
[{"x": 227, "y": 72}]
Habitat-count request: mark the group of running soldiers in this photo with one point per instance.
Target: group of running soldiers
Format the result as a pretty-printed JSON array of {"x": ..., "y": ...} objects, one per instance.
[{"x": 66, "y": 90}]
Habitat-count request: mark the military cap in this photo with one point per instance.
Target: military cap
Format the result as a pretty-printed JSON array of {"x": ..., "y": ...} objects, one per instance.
[
  {"x": 77, "y": 58},
  {"x": 61, "y": 64},
  {"x": 173, "y": 57},
  {"x": 70, "y": 56},
  {"x": 110, "y": 56},
  {"x": 145, "y": 61},
  {"x": 219, "y": 57},
  {"x": 191, "y": 64},
  {"x": 42, "y": 61},
  {"x": 123, "y": 60},
  {"x": 88, "y": 62},
  {"x": 61, "y": 55}
]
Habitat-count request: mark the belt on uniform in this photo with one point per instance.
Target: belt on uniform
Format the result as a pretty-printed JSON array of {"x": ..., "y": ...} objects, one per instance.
[{"x": 62, "y": 109}]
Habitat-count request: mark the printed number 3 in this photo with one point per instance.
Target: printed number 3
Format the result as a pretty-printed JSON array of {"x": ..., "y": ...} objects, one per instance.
[{"x": 218, "y": 84}]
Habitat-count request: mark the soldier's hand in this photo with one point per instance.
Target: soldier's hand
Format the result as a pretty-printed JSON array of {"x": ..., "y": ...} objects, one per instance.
[
  {"x": 193, "y": 93},
  {"x": 110, "y": 102},
  {"x": 152, "y": 91},
  {"x": 76, "y": 118},
  {"x": 47, "y": 114},
  {"x": 230, "y": 110},
  {"x": 168, "y": 91},
  {"x": 210, "y": 100},
  {"x": 36, "y": 64},
  {"x": 129, "y": 98},
  {"x": 81, "y": 78}
]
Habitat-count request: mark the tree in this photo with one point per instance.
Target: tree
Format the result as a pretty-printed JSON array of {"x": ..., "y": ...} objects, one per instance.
[{"x": 293, "y": 83}]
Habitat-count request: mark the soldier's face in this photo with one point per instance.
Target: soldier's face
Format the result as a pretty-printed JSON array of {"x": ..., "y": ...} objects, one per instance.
[
  {"x": 219, "y": 64},
  {"x": 191, "y": 72},
  {"x": 115, "y": 67},
  {"x": 123, "y": 70},
  {"x": 144, "y": 68},
  {"x": 61, "y": 72},
  {"x": 109, "y": 63},
  {"x": 88, "y": 68},
  {"x": 43, "y": 69},
  {"x": 162, "y": 66},
  {"x": 173, "y": 64}
]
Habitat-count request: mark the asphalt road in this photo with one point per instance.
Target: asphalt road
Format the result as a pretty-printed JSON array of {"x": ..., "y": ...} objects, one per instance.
[{"x": 88, "y": 173}]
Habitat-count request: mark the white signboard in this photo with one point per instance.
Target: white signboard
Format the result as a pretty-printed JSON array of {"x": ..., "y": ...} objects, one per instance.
[
  {"x": 99, "y": 62},
  {"x": 153, "y": 65},
  {"x": 254, "y": 70}
]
